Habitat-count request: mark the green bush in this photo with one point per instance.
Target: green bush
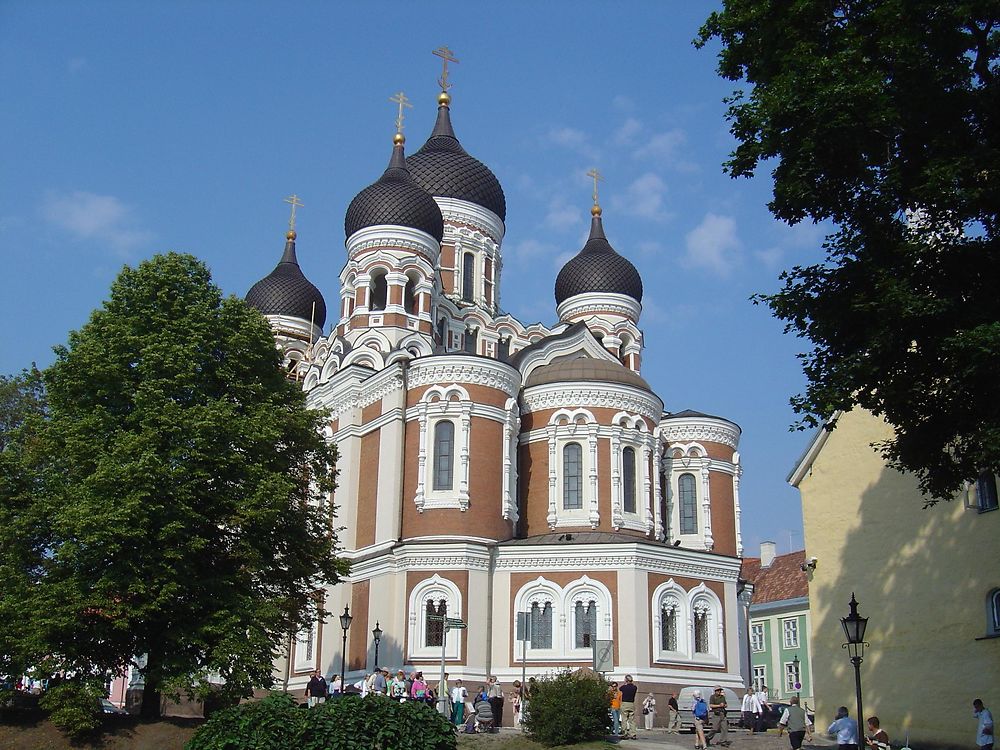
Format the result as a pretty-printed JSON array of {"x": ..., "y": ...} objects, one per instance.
[
  {"x": 568, "y": 708},
  {"x": 74, "y": 706},
  {"x": 349, "y": 723}
]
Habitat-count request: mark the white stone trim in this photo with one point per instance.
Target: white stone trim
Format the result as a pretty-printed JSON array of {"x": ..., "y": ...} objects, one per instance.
[
  {"x": 679, "y": 597},
  {"x": 582, "y": 341},
  {"x": 464, "y": 369},
  {"x": 710, "y": 429},
  {"x": 600, "y": 304},
  {"x": 459, "y": 211},
  {"x": 604, "y": 396},
  {"x": 392, "y": 236},
  {"x": 565, "y": 427},
  {"x": 563, "y": 600},
  {"x": 511, "y": 428},
  {"x": 438, "y": 404},
  {"x": 355, "y": 388},
  {"x": 703, "y": 599},
  {"x": 435, "y": 588},
  {"x": 737, "y": 473}
]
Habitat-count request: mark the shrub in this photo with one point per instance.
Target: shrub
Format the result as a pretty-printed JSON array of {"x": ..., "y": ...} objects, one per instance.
[
  {"x": 74, "y": 706},
  {"x": 348, "y": 723},
  {"x": 568, "y": 708}
]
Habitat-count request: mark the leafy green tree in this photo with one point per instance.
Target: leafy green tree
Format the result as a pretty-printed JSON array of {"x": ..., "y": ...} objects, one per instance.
[
  {"x": 174, "y": 501},
  {"x": 882, "y": 117},
  {"x": 22, "y": 397},
  {"x": 568, "y": 708}
]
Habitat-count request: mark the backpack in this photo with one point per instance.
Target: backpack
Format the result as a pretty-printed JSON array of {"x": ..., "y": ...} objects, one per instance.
[{"x": 700, "y": 709}]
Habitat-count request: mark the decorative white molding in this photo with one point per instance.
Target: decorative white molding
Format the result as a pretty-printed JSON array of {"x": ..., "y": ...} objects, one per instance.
[
  {"x": 457, "y": 211},
  {"x": 511, "y": 428},
  {"x": 711, "y": 429},
  {"x": 457, "y": 369},
  {"x": 345, "y": 391},
  {"x": 601, "y": 304},
  {"x": 605, "y": 396},
  {"x": 391, "y": 236}
]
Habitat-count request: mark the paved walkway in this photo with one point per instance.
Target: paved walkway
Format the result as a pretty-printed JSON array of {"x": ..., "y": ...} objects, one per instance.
[{"x": 660, "y": 739}]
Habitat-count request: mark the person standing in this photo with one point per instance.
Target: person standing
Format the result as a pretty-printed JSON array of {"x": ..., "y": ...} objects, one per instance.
[
  {"x": 616, "y": 708},
  {"x": 418, "y": 688},
  {"x": 628, "y": 690},
  {"x": 750, "y": 710},
  {"x": 717, "y": 708},
  {"x": 878, "y": 738},
  {"x": 699, "y": 709},
  {"x": 316, "y": 689},
  {"x": 458, "y": 697},
  {"x": 794, "y": 720},
  {"x": 673, "y": 714},
  {"x": 494, "y": 695},
  {"x": 336, "y": 686},
  {"x": 846, "y": 730},
  {"x": 984, "y": 729},
  {"x": 648, "y": 710},
  {"x": 398, "y": 690}
]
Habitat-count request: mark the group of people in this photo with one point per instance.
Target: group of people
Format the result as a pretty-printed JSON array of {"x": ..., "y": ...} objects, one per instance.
[{"x": 711, "y": 714}]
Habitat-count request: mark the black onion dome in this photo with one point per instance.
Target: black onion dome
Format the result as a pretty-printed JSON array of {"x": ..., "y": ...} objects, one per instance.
[
  {"x": 443, "y": 168},
  {"x": 395, "y": 199},
  {"x": 286, "y": 291},
  {"x": 598, "y": 268}
]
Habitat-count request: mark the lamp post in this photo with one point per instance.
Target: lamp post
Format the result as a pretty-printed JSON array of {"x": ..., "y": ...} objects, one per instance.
[
  {"x": 798, "y": 678},
  {"x": 377, "y": 636},
  {"x": 345, "y": 623},
  {"x": 854, "y": 629}
]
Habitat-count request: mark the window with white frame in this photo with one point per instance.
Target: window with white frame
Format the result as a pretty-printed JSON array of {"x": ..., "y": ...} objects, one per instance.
[
  {"x": 572, "y": 480},
  {"x": 993, "y": 612},
  {"x": 986, "y": 491},
  {"x": 540, "y": 625},
  {"x": 468, "y": 276},
  {"x": 305, "y": 648},
  {"x": 702, "y": 623},
  {"x": 791, "y": 676},
  {"x": 628, "y": 479},
  {"x": 433, "y": 625},
  {"x": 790, "y": 631},
  {"x": 444, "y": 454},
  {"x": 585, "y": 623},
  {"x": 687, "y": 503},
  {"x": 670, "y": 623},
  {"x": 759, "y": 679},
  {"x": 757, "y": 636},
  {"x": 582, "y": 610},
  {"x": 432, "y": 598},
  {"x": 445, "y": 417},
  {"x": 706, "y": 625}
]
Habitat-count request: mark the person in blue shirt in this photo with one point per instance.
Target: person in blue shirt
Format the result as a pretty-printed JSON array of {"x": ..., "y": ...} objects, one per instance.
[
  {"x": 984, "y": 729},
  {"x": 700, "y": 711},
  {"x": 846, "y": 730}
]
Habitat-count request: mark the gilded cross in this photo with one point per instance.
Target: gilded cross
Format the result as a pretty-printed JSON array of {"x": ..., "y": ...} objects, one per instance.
[
  {"x": 593, "y": 173},
  {"x": 446, "y": 56},
  {"x": 402, "y": 101},
  {"x": 294, "y": 200}
]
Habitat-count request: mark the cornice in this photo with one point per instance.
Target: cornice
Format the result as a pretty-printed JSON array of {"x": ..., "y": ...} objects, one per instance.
[
  {"x": 463, "y": 212},
  {"x": 711, "y": 429},
  {"x": 388, "y": 235},
  {"x": 596, "y": 303},
  {"x": 463, "y": 369},
  {"x": 338, "y": 396},
  {"x": 607, "y": 395}
]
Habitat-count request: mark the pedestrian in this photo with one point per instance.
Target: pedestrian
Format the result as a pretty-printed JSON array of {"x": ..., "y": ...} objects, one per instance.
[
  {"x": 984, "y": 729},
  {"x": 717, "y": 708},
  {"x": 515, "y": 702},
  {"x": 878, "y": 738},
  {"x": 628, "y": 691},
  {"x": 794, "y": 720},
  {"x": 699, "y": 710},
  {"x": 379, "y": 686},
  {"x": 494, "y": 695},
  {"x": 445, "y": 707},
  {"x": 764, "y": 708},
  {"x": 398, "y": 690},
  {"x": 418, "y": 689},
  {"x": 846, "y": 730},
  {"x": 648, "y": 710},
  {"x": 458, "y": 697},
  {"x": 336, "y": 686},
  {"x": 316, "y": 689},
  {"x": 616, "y": 708},
  {"x": 750, "y": 710},
  {"x": 673, "y": 714}
]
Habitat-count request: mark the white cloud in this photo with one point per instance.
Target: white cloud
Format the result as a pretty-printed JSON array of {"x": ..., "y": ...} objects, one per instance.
[
  {"x": 88, "y": 216},
  {"x": 623, "y": 103},
  {"x": 650, "y": 247},
  {"x": 562, "y": 216},
  {"x": 530, "y": 251},
  {"x": 574, "y": 140},
  {"x": 644, "y": 198},
  {"x": 713, "y": 245},
  {"x": 626, "y": 134},
  {"x": 770, "y": 257},
  {"x": 661, "y": 147}
]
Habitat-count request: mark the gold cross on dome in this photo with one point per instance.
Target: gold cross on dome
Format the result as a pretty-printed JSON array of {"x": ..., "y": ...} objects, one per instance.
[
  {"x": 402, "y": 101},
  {"x": 593, "y": 173},
  {"x": 294, "y": 200},
  {"x": 446, "y": 56}
]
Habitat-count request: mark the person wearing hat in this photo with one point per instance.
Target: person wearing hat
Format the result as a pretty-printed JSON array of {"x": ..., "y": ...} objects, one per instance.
[
  {"x": 717, "y": 716},
  {"x": 700, "y": 710}
]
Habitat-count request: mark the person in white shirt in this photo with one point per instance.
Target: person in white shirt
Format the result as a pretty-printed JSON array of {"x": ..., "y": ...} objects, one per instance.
[
  {"x": 846, "y": 730},
  {"x": 984, "y": 729},
  {"x": 751, "y": 710},
  {"x": 763, "y": 700},
  {"x": 458, "y": 697}
]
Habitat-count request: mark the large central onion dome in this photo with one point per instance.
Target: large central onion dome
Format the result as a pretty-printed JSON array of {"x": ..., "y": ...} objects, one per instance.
[
  {"x": 444, "y": 169},
  {"x": 598, "y": 268},
  {"x": 395, "y": 199},
  {"x": 286, "y": 291}
]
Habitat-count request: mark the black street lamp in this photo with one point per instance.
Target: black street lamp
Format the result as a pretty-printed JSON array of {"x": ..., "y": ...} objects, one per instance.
[
  {"x": 797, "y": 685},
  {"x": 854, "y": 629},
  {"x": 345, "y": 623},
  {"x": 377, "y": 635}
]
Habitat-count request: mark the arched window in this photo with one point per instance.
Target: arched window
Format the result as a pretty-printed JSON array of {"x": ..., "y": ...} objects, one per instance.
[
  {"x": 471, "y": 340},
  {"x": 669, "y": 613},
  {"x": 993, "y": 613},
  {"x": 541, "y": 625},
  {"x": 572, "y": 476},
  {"x": 434, "y": 628},
  {"x": 380, "y": 292},
  {"x": 628, "y": 479},
  {"x": 702, "y": 642},
  {"x": 468, "y": 269},
  {"x": 444, "y": 454},
  {"x": 410, "y": 302},
  {"x": 442, "y": 331},
  {"x": 688, "y": 503},
  {"x": 585, "y": 621}
]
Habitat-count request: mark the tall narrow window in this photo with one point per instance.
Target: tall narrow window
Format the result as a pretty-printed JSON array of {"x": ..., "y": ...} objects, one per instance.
[
  {"x": 380, "y": 292},
  {"x": 668, "y": 626},
  {"x": 434, "y": 628},
  {"x": 572, "y": 476},
  {"x": 503, "y": 348},
  {"x": 790, "y": 628},
  {"x": 628, "y": 479},
  {"x": 792, "y": 676},
  {"x": 688, "y": 503},
  {"x": 993, "y": 613},
  {"x": 757, "y": 636},
  {"x": 541, "y": 625},
  {"x": 444, "y": 454},
  {"x": 585, "y": 623},
  {"x": 759, "y": 678},
  {"x": 410, "y": 296},
  {"x": 986, "y": 491},
  {"x": 701, "y": 631},
  {"x": 471, "y": 340},
  {"x": 468, "y": 280},
  {"x": 442, "y": 331}
]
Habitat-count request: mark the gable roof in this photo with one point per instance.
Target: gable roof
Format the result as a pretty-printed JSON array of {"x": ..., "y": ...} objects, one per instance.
[{"x": 783, "y": 580}]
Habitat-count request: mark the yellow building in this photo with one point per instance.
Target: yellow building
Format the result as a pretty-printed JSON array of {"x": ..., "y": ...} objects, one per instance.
[{"x": 928, "y": 580}]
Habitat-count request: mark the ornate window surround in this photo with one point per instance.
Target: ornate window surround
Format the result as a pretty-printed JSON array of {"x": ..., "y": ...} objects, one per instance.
[
  {"x": 690, "y": 458},
  {"x": 703, "y": 599},
  {"x": 440, "y": 403},
  {"x": 573, "y": 426},
  {"x": 672, "y": 592},
  {"x": 435, "y": 588},
  {"x": 563, "y": 600},
  {"x": 632, "y": 432},
  {"x": 306, "y": 643}
]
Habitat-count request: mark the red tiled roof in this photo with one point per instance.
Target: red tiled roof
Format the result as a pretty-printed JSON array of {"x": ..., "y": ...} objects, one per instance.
[{"x": 784, "y": 579}]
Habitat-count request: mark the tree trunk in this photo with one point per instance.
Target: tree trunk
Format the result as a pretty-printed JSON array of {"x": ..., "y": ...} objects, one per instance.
[{"x": 151, "y": 692}]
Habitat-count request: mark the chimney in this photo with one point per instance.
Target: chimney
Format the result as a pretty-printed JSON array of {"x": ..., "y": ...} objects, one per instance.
[{"x": 767, "y": 552}]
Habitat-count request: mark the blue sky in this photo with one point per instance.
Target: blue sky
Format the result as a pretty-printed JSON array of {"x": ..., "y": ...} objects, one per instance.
[{"x": 135, "y": 128}]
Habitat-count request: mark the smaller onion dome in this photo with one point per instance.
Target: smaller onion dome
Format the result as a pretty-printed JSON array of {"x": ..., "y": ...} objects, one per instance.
[
  {"x": 395, "y": 199},
  {"x": 443, "y": 168},
  {"x": 598, "y": 268},
  {"x": 286, "y": 291}
]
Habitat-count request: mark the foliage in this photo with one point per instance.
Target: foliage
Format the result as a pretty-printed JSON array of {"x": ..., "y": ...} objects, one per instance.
[
  {"x": 74, "y": 706},
  {"x": 348, "y": 723},
  {"x": 882, "y": 116},
  {"x": 22, "y": 397},
  {"x": 173, "y": 499},
  {"x": 568, "y": 708}
]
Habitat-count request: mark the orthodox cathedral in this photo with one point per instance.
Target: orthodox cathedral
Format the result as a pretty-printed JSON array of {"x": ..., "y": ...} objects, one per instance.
[{"x": 488, "y": 468}]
